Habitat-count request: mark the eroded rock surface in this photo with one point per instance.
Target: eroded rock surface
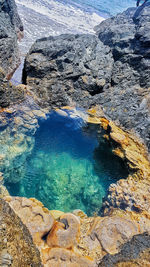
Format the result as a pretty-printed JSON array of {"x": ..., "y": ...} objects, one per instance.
[
  {"x": 131, "y": 193},
  {"x": 69, "y": 68},
  {"x": 33, "y": 214},
  {"x": 111, "y": 70},
  {"x": 73, "y": 239}
]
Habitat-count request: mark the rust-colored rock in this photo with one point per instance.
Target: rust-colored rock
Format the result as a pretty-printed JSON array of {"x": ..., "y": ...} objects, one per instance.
[{"x": 65, "y": 232}]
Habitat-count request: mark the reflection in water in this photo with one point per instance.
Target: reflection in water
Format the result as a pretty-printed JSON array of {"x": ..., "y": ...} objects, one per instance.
[{"x": 68, "y": 168}]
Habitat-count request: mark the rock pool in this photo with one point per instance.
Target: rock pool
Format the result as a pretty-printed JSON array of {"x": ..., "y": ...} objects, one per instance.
[{"x": 70, "y": 166}]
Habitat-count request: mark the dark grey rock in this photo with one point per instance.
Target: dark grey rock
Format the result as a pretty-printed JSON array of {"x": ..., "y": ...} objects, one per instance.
[
  {"x": 68, "y": 69},
  {"x": 112, "y": 70},
  {"x": 11, "y": 29}
]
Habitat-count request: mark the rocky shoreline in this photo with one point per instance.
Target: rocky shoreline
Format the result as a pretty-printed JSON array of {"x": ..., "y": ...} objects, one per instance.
[{"x": 108, "y": 75}]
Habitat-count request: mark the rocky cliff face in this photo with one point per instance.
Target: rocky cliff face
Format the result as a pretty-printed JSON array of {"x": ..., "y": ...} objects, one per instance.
[
  {"x": 111, "y": 70},
  {"x": 11, "y": 29}
]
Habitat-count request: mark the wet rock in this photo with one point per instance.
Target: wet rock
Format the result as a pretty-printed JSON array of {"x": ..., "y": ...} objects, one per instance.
[{"x": 9, "y": 94}]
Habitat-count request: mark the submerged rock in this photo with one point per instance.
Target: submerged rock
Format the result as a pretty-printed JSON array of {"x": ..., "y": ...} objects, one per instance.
[{"x": 111, "y": 70}]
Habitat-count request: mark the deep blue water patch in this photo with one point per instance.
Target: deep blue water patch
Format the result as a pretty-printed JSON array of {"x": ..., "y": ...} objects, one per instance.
[{"x": 70, "y": 167}]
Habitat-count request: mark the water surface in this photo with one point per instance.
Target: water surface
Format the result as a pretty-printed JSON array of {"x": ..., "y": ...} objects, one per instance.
[{"x": 69, "y": 168}]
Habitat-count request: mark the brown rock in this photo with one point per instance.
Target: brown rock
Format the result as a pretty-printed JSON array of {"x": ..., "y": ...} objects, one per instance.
[
  {"x": 64, "y": 233},
  {"x": 60, "y": 257},
  {"x": 33, "y": 214},
  {"x": 113, "y": 231},
  {"x": 16, "y": 245}
]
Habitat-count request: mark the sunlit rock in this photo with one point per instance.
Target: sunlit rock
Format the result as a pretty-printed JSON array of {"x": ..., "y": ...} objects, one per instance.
[
  {"x": 65, "y": 232},
  {"x": 33, "y": 214}
]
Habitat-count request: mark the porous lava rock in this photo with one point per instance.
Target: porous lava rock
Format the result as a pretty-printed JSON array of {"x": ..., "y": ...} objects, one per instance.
[
  {"x": 11, "y": 29},
  {"x": 111, "y": 70}
]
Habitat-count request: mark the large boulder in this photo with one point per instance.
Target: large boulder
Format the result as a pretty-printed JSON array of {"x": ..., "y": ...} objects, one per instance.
[
  {"x": 111, "y": 70},
  {"x": 68, "y": 69}
]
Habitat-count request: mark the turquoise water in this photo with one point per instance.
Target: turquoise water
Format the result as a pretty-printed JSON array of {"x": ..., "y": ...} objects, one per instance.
[
  {"x": 68, "y": 168},
  {"x": 103, "y": 7}
]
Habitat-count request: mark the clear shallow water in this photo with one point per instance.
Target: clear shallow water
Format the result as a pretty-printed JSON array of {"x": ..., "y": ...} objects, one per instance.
[{"x": 68, "y": 169}]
